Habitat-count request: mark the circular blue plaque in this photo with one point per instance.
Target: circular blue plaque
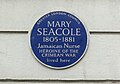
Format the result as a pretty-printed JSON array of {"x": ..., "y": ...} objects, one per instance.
[{"x": 58, "y": 40}]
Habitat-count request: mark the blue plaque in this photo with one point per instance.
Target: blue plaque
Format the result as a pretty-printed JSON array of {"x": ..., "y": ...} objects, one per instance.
[{"x": 58, "y": 40}]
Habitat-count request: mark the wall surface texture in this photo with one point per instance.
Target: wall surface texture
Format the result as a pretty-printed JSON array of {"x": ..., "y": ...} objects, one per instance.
[{"x": 101, "y": 63}]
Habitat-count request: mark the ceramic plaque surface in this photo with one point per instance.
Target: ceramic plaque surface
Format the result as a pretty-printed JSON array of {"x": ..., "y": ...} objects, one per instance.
[{"x": 58, "y": 40}]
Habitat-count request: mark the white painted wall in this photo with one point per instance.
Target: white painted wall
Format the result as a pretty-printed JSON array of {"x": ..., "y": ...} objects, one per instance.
[
  {"x": 101, "y": 62},
  {"x": 96, "y": 14}
]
